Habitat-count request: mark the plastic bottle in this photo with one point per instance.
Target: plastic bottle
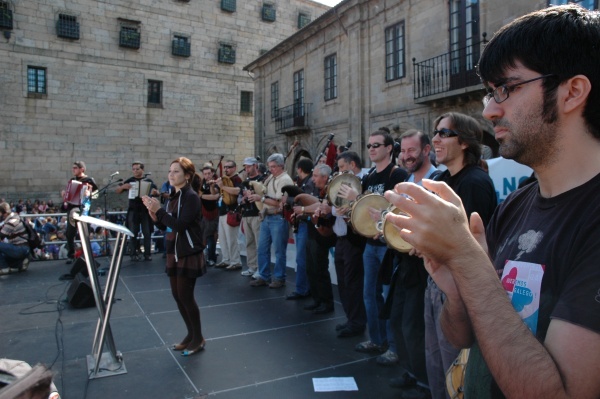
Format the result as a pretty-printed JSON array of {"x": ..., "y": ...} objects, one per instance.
[{"x": 87, "y": 204}]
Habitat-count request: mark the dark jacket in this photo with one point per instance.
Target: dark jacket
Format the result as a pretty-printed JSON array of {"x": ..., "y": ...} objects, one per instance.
[{"x": 183, "y": 218}]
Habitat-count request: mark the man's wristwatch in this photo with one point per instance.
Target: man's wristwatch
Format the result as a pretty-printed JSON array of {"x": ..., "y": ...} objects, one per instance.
[{"x": 263, "y": 199}]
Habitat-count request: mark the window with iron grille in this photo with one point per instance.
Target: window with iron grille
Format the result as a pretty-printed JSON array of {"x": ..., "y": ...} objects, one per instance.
[
  {"x": 181, "y": 46},
  {"x": 246, "y": 102},
  {"x": 303, "y": 20},
  {"x": 331, "y": 77},
  {"x": 6, "y": 16},
  {"x": 154, "y": 92},
  {"x": 299, "y": 93},
  {"x": 274, "y": 100},
  {"x": 129, "y": 37},
  {"x": 36, "y": 81},
  {"x": 589, "y": 4},
  {"x": 269, "y": 13},
  {"x": 228, "y": 5},
  {"x": 227, "y": 54},
  {"x": 67, "y": 27},
  {"x": 394, "y": 52}
]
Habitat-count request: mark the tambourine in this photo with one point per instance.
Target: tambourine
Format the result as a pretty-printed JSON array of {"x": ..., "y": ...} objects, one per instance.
[
  {"x": 348, "y": 179},
  {"x": 360, "y": 218},
  {"x": 391, "y": 233}
]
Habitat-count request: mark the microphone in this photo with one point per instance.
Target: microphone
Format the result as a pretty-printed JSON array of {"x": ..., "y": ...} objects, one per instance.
[{"x": 114, "y": 174}]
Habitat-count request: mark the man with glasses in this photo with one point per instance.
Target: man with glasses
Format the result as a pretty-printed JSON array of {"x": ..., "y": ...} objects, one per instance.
[
  {"x": 457, "y": 143},
  {"x": 89, "y": 185},
  {"x": 384, "y": 176},
  {"x": 137, "y": 213},
  {"x": 228, "y": 235},
  {"x": 524, "y": 294},
  {"x": 274, "y": 229},
  {"x": 250, "y": 218}
]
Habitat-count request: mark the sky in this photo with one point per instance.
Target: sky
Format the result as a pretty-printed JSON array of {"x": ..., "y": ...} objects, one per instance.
[{"x": 330, "y": 3}]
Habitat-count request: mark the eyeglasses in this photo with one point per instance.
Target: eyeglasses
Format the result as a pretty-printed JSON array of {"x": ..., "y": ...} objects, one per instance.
[
  {"x": 500, "y": 93},
  {"x": 445, "y": 133},
  {"x": 229, "y": 167},
  {"x": 374, "y": 145}
]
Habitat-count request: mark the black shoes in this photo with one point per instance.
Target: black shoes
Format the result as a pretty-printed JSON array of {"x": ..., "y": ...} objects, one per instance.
[
  {"x": 403, "y": 382},
  {"x": 323, "y": 309},
  {"x": 312, "y": 306},
  {"x": 294, "y": 296},
  {"x": 348, "y": 332}
]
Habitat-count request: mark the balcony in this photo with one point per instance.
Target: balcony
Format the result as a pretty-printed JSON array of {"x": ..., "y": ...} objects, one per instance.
[
  {"x": 447, "y": 75},
  {"x": 292, "y": 119}
]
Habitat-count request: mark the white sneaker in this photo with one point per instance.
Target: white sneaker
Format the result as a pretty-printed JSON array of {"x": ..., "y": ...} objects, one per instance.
[
  {"x": 247, "y": 273},
  {"x": 256, "y": 275}
]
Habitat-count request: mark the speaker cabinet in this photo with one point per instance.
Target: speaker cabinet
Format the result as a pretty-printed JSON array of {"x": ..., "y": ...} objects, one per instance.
[{"x": 80, "y": 293}]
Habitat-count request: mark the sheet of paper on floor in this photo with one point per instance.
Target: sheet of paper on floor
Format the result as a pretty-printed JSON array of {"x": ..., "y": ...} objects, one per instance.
[{"x": 333, "y": 384}]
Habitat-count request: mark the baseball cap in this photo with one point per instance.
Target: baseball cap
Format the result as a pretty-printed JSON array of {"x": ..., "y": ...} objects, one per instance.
[{"x": 250, "y": 161}]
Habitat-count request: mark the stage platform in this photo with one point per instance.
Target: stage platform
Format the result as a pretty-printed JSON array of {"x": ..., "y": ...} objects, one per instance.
[{"x": 258, "y": 345}]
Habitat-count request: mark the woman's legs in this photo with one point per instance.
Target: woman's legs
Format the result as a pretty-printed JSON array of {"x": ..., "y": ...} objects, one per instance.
[{"x": 183, "y": 292}]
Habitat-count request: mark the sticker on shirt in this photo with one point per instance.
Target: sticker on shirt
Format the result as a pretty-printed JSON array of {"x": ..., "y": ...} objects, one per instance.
[{"x": 522, "y": 281}]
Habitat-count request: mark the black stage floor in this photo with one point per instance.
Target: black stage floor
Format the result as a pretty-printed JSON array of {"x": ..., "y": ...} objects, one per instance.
[{"x": 258, "y": 344}]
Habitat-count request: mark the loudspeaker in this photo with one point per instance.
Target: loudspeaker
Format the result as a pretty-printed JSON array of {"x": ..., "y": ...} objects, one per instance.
[{"x": 80, "y": 293}]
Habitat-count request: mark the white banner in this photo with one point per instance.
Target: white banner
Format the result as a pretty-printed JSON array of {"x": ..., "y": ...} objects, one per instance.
[{"x": 506, "y": 175}]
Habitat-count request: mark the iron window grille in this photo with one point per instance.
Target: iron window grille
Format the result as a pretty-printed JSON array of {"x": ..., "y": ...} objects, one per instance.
[
  {"x": 129, "y": 37},
  {"x": 303, "y": 20},
  {"x": 227, "y": 54},
  {"x": 228, "y": 5},
  {"x": 6, "y": 16},
  {"x": 36, "y": 80},
  {"x": 331, "y": 77},
  {"x": 246, "y": 103},
  {"x": 394, "y": 52},
  {"x": 269, "y": 13},
  {"x": 181, "y": 46},
  {"x": 67, "y": 27},
  {"x": 154, "y": 92},
  {"x": 274, "y": 100}
]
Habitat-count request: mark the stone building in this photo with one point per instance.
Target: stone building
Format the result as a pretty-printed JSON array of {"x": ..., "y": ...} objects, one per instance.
[
  {"x": 113, "y": 81},
  {"x": 369, "y": 64}
]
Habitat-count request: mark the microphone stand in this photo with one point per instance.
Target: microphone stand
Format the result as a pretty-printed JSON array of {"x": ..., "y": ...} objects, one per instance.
[{"x": 104, "y": 192}]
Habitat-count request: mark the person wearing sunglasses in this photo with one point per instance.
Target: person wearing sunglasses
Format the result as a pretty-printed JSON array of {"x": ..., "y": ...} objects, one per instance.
[
  {"x": 384, "y": 176},
  {"x": 457, "y": 143},
  {"x": 523, "y": 294}
]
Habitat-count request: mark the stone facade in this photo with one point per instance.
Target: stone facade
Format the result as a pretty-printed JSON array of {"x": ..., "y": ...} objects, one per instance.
[
  {"x": 96, "y": 105},
  {"x": 354, "y": 31}
]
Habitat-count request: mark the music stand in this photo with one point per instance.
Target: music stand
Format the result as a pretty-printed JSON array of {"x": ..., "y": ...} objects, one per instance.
[
  {"x": 108, "y": 363},
  {"x": 104, "y": 191}
]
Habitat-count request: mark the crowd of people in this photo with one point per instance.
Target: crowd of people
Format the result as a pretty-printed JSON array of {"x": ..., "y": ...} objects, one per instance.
[{"x": 516, "y": 284}]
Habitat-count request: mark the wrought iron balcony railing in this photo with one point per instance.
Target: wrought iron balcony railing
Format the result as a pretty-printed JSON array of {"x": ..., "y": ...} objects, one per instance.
[
  {"x": 292, "y": 116},
  {"x": 447, "y": 72}
]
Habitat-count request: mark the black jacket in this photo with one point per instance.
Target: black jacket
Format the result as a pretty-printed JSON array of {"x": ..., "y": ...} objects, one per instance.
[{"x": 183, "y": 217}]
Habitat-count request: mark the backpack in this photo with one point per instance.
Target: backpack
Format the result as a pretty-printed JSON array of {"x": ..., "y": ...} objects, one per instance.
[{"x": 33, "y": 238}]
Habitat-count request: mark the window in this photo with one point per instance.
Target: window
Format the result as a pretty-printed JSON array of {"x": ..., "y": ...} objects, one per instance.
[
  {"x": 181, "y": 46},
  {"x": 36, "y": 81},
  {"x": 303, "y": 20},
  {"x": 130, "y": 37},
  {"x": 227, "y": 54},
  {"x": 67, "y": 27},
  {"x": 154, "y": 93},
  {"x": 464, "y": 43},
  {"x": 6, "y": 16},
  {"x": 331, "y": 77},
  {"x": 299, "y": 93},
  {"x": 228, "y": 5},
  {"x": 274, "y": 100},
  {"x": 589, "y": 4},
  {"x": 246, "y": 102},
  {"x": 394, "y": 52},
  {"x": 269, "y": 13}
]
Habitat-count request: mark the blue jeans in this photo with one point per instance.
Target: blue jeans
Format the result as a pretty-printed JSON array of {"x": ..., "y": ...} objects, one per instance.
[
  {"x": 439, "y": 353},
  {"x": 274, "y": 229},
  {"x": 12, "y": 255},
  {"x": 302, "y": 285},
  {"x": 373, "y": 293}
]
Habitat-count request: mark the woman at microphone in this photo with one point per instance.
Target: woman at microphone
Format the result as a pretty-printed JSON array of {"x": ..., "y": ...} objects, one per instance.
[{"x": 185, "y": 256}]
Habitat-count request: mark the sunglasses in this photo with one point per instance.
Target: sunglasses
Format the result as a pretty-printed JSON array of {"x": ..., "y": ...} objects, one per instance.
[
  {"x": 445, "y": 133},
  {"x": 374, "y": 145},
  {"x": 229, "y": 167}
]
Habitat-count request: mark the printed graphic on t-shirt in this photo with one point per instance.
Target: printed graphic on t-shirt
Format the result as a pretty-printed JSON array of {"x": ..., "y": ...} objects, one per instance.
[
  {"x": 522, "y": 282},
  {"x": 377, "y": 189}
]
